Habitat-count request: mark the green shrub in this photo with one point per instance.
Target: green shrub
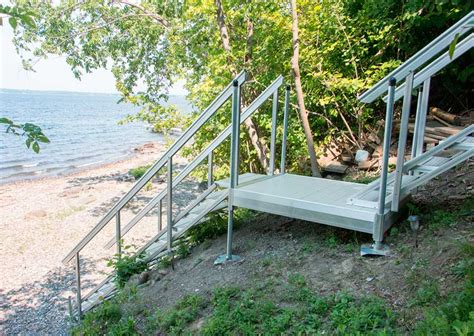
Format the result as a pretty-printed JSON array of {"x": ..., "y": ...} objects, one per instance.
[
  {"x": 125, "y": 265},
  {"x": 138, "y": 172},
  {"x": 106, "y": 319}
]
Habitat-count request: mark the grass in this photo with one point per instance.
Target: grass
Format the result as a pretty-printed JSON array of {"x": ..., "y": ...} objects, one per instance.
[
  {"x": 441, "y": 218},
  {"x": 139, "y": 171},
  {"x": 107, "y": 319},
  {"x": 63, "y": 214},
  {"x": 361, "y": 177},
  {"x": 293, "y": 309},
  {"x": 456, "y": 313},
  {"x": 175, "y": 320},
  {"x": 291, "y": 306},
  {"x": 288, "y": 304},
  {"x": 271, "y": 308}
]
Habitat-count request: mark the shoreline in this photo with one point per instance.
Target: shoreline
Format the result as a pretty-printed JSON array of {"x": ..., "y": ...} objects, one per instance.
[
  {"x": 43, "y": 207},
  {"x": 133, "y": 154},
  {"x": 42, "y": 219}
]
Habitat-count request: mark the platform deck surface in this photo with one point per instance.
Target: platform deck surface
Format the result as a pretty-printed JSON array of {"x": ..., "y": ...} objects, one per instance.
[{"x": 317, "y": 199}]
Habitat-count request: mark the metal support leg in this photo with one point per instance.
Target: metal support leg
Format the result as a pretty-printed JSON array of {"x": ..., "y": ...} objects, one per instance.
[
  {"x": 402, "y": 141},
  {"x": 285, "y": 131},
  {"x": 377, "y": 247},
  {"x": 160, "y": 216},
  {"x": 118, "y": 234},
  {"x": 234, "y": 170},
  {"x": 230, "y": 227},
  {"x": 423, "y": 112},
  {"x": 210, "y": 167},
  {"x": 78, "y": 291},
  {"x": 169, "y": 205},
  {"x": 271, "y": 170}
]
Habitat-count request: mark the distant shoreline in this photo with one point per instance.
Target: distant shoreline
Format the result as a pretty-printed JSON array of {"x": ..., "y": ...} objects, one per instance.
[{"x": 60, "y": 91}]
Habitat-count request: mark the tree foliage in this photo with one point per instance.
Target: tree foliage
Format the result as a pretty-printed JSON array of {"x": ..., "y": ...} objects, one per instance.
[
  {"x": 345, "y": 47},
  {"x": 18, "y": 15},
  {"x": 34, "y": 135}
]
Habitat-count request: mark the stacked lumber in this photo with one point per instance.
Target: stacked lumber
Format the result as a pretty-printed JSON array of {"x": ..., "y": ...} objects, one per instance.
[
  {"x": 435, "y": 134},
  {"x": 440, "y": 125}
]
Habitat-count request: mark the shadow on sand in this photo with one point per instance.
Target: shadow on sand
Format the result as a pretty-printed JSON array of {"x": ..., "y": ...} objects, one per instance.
[{"x": 41, "y": 307}]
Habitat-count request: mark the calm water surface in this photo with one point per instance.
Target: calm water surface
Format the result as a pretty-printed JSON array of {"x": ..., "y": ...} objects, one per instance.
[{"x": 82, "y": 128}]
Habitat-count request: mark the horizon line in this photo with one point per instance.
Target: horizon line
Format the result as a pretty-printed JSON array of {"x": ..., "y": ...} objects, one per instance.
[{"x": 71, "y": 91}]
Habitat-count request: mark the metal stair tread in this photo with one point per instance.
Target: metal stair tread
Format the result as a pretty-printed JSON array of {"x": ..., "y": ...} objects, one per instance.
[
  {"x": 435, "y": 161},
  {"x": 429, "y": 164}
]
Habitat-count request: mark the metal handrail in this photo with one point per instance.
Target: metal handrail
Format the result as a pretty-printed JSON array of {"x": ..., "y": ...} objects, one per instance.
[
  {"x": 178, "y": 144},
  {"x": 437, "y": 65},
  {"x": 269, "y": 91},
  {"x": 272, "y": 89},
  {"x": 429, "y": 51}
]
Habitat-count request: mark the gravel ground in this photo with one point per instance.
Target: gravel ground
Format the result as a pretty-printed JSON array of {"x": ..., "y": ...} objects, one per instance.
[{"x": 42, "y": 220}]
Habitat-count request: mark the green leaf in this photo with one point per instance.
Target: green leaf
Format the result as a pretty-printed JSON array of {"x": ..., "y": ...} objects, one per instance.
[
  {"x": 452, "y": 46},
  {"x": 28, "y": 20},
  {"x": 6, "y": 121},
  {"x": 28, "y": 142},
  {"x": 43, "y": 138},
  {"x": 35, "y": 147},
  {"x": 13, "y": 22}
]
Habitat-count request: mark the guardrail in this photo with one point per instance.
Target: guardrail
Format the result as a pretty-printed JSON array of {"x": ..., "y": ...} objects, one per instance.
[{"x": 233, "y": 90}]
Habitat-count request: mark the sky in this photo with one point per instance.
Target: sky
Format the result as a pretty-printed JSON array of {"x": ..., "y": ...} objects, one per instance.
[{"x": 52, "y": 74}]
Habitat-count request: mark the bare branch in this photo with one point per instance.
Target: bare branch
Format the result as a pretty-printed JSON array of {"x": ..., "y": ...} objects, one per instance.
[{"x": 154, "y": 16}]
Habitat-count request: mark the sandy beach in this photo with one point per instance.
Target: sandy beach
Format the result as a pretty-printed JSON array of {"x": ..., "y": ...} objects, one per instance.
[{"x": 42, "y": 220}]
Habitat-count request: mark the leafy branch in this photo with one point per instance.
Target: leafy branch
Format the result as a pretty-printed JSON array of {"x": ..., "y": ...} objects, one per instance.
[
  {"x": 18, "y": 14},
  {"x": 34, "y": 134}
]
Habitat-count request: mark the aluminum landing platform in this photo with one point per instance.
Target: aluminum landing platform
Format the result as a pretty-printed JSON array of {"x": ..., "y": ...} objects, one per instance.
[{"x": 313, "y": 199}]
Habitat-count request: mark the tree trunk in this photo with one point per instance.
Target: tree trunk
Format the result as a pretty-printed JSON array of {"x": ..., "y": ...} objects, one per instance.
[
  {"x": 252, "y": 130},
  {"x": 299, "y": 92}
]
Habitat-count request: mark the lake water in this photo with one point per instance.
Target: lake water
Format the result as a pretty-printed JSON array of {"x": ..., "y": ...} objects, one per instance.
[{"x": 82, "y": 128}]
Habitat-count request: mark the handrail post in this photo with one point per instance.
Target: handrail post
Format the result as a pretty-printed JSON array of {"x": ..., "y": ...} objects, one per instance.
[
  {"x": 235, "y": 134},
  {"x": 417, "y": 122},
  {"x": 169, "y": 210},
  {"x": 78, "y": 291},
  {"x": 209, "y": 169},
  {"x": 234, "y": 165},
  {"x": 160, "y": 214},
  {"x": 402, "y": 141},
  {"x": 271, "y": 168},
  {"x": 285, "y": 130},
  {"x": 422, "y": 120},
  {"x": 379, "y": 223},
  {"x": 118, "y": 234}
]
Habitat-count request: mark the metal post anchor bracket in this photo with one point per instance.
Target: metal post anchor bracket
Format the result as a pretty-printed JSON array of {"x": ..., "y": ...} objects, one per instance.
[
  {"x": 222, "y": 259},
  {"x": 375, "y": 249}
]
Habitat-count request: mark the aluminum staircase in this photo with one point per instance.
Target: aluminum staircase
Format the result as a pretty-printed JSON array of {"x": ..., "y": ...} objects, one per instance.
[
  {"x": 448, "y": 154},
  {"x": 370, "y": 209},
  {"x": 195, "y": 213},
  {"x": 388, "y": 192}
]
